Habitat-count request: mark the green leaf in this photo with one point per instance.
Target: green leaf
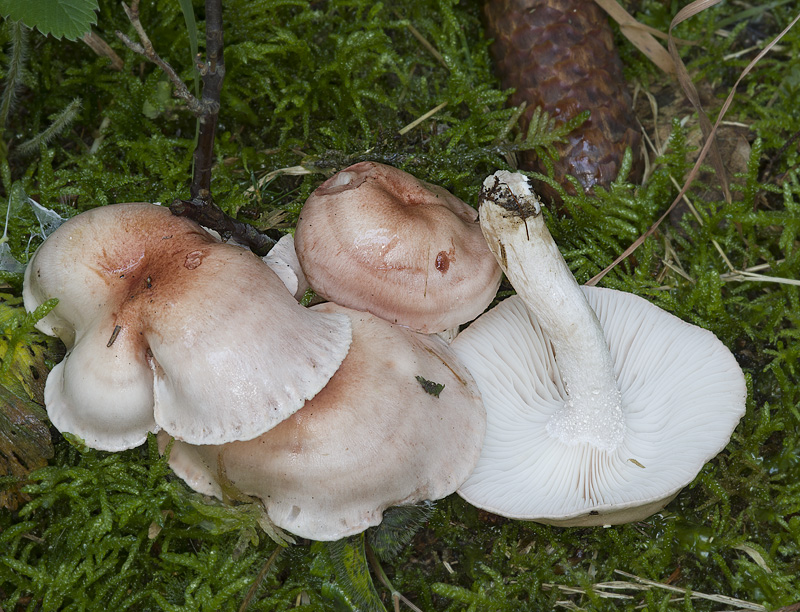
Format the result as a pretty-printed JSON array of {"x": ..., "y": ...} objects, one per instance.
[
  {"x": 68, "y": 18},
  {"x": 431, "y": 388},
  {"x": 191, "y": 30}
]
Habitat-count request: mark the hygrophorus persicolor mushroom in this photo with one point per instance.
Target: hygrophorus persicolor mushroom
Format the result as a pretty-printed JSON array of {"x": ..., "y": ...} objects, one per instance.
[
  {"x": 401, "y": 421},
  {"x": 375, "y": 238},
  {"x": 282, "y": 259},
  {"x": 600, "y": 406},
  {"x": 167, "y": 327}
]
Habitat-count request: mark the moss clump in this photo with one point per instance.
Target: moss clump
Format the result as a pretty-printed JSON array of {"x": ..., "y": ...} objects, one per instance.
[{"x": 324, "y": 85}]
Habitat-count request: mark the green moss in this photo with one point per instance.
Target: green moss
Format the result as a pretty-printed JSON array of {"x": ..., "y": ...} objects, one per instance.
[{"x": 325, "y": 84}]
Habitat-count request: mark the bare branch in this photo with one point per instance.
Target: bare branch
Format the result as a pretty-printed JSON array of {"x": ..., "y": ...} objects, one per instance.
[
  {"x": 146, "y": 49},
  {"x": 210, "y": 215},
  {"x": 213, "y": 73},
  {"x": 201, "y": 207}
]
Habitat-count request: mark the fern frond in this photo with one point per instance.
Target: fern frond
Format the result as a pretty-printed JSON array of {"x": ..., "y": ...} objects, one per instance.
[
  {"x": 61, "y": 122},
  {"x": 18, "y": 34}
]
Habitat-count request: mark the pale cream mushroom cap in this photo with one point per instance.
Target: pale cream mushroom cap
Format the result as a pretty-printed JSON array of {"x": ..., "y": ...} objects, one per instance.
[
  {"x": 372, "y": 438},
  {"x": 683, "y": 394},
  {"x": 166, "y": 327},
  {"x": 282, "y": 259},
  {"x": 375, "y": 238}
]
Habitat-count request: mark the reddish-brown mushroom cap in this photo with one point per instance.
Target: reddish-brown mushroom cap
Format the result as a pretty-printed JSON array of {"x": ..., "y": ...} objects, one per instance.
[
  {"x": 372, "y": 438},
  {"x": 375, "y": 238},
  {"x": 166, "y": 327}
]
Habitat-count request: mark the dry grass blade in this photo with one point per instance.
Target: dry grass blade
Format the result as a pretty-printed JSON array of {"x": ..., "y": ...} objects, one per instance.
[
  {"x": 754, "y": 555},
  {"x": 743, "y": 275},
  {"x": 103, "y": 49},
  {"x": 691, "y": 92},
  {"x": 704, "y": 151},
  {"x": 291, "y": 171},
  {"x": 422, "y": 118},
  {"x": 424, "y": 42},
  {"x": 734, "y": 274},
  {"x": 606, "y": 591},
  {"x": 259, "y": 579},
  {"x": 397, "y": 596},
  {"x": 579, "y": 591},
  {"x": 640, "y": 35},
  {"x": 744, "y": 605}
]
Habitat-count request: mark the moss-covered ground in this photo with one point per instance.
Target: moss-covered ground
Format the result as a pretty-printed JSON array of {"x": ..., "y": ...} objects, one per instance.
[{"x": 324, "y": 84}]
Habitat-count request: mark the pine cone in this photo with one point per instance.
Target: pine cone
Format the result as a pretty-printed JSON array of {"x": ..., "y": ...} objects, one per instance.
[{"x": 560, "y": 55}]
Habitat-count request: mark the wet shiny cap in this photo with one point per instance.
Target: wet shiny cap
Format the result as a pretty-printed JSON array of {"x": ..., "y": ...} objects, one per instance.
[{"x": 375, "y": 238}]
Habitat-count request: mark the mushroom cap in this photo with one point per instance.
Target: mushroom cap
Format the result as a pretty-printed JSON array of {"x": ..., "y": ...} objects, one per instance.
[
  {"x": 372, "y": 438},
  {"x": 682, "y": 391},
  {"x": 375, "y": 238},
  {"x": 282, "y": 259},
  {"x": 166, "y": 327}
]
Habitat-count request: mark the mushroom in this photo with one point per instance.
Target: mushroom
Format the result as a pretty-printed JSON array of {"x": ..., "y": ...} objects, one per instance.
[
  {"x": 282, "y": 258},
  {"x": 375, "y": 238},
  {"x": 283, "y": 261},
  {"x": 600, "y": 405},
  {"x": 166, "y": 327},
  {"x": 401, "y": 421}
]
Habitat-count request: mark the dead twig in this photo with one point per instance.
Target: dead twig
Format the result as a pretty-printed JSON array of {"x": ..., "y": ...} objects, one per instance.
[
  {"x": 208, "y": 214},
  {"x": 212, "y": 74},
  {"x": 147, "y": 50},
  {"x": 201, "y": 208}
]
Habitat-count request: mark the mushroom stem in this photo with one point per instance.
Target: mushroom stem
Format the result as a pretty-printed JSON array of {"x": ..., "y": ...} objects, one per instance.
[{"x": 511, "y": 220}]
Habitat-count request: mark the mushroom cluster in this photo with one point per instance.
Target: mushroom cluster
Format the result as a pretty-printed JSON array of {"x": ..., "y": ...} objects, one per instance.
[
  {"x": 601, "y": 407},
  {"x": 327, "y": 414},
  {"x": 375, "y": 436}
]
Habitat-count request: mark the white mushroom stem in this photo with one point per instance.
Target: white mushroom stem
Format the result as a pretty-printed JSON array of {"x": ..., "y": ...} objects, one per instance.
[{"x": 511, "y": 220}]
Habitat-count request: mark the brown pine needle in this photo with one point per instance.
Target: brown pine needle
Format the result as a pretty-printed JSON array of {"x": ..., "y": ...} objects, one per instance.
[
  {"x": 259, "y": 579},
  {"x": 419, "y": 120}
]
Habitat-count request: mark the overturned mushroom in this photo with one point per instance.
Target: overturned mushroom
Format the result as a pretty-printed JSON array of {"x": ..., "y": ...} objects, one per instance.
[
  {"x": 401, "y": 421},
  {"x": 166, "y": 327},
  {"x": 375, "y": 238},
  {"x": 600, "y": 406}
]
